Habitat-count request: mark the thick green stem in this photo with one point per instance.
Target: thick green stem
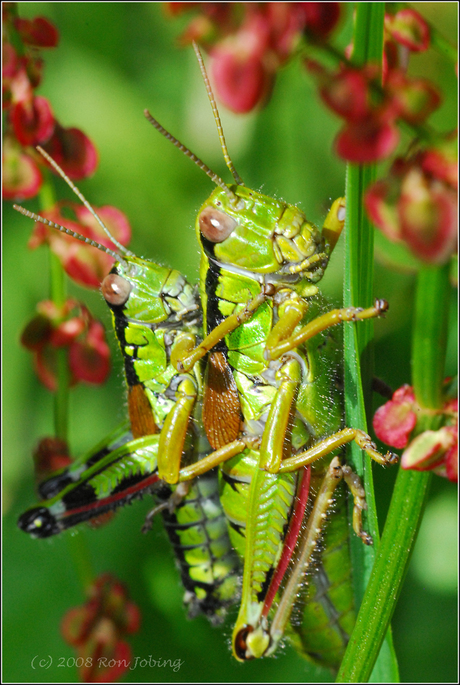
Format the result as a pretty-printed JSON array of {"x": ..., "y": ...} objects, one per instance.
[
  {"x": 358, "y": 287},
  {"x": 386, "y": 580},
  {"x": 358, "y": 291},
  {"x": 430, "y": 325}
]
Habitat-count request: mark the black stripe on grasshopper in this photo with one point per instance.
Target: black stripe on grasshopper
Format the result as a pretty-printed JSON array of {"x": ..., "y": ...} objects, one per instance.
[
  {"x": 120, "y": 323},
  {"x": 194, "y": 522}
]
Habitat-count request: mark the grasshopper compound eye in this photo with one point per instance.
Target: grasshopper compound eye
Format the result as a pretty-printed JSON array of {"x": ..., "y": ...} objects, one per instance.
[
  {"x": 215, "y": 225},
  {"x": 115, "y": 289}
]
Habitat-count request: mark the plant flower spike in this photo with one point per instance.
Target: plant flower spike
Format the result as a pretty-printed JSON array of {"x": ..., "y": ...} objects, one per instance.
[{"x": 97, "y": 630}]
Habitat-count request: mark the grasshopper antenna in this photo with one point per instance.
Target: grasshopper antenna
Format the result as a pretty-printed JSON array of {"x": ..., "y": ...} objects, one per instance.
[
  {"x": 188, "y": 153},
  {"x": 81, "y": 197},
  {"x": 215, "y": 112},
  {"x": 63, "y": 229}
]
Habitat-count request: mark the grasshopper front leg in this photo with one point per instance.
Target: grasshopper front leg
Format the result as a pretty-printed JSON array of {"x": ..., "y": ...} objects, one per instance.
[
  {"x": 281, "y": 339},
  {"x": 174, "y": 431},
  {"x": 186, "y": 358}
]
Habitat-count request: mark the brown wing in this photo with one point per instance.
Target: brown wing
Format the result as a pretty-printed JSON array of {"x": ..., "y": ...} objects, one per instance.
[
  {"x": 140, "y": 412},
  {"x": 221, "y": 402}
]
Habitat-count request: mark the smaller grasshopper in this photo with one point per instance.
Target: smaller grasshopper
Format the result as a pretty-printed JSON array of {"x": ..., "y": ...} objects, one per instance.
[{"x": 153, "y": 307}]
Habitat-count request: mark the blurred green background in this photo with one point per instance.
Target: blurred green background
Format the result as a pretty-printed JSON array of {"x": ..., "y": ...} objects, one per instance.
[{"x": 114, "y": 60}]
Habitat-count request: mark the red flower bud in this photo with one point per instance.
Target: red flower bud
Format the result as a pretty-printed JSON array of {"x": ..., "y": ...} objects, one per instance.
[
  {"x": 434, "y": 451},
  {"x": 22, "y": 178},
  {"x": 10, "y": 63},
  {"x": 412, "y": 207},
  {"x": 368, "y": 140},
  {"x": 86, "y": 265},
  {"x": 32, "y": 121},
  {"x": 431, "y": 450},
  {"x": 415, "y": 99},
  {"x": 408, "y": 28},
  {"x": 73, "y": 151},
  {"x": 441, "y": 162},
  {"x": 320, "y": 17},
  {"x": 394, "y": 421},
  {"x": 89, "y": 359},
  {"x": 241, "y": 83},
  {"x": 39, "y": 32},
  {"x": 69, "y": 327},
  {"x": 347, "y": 93},
  {"x": 428, "y": 218}
]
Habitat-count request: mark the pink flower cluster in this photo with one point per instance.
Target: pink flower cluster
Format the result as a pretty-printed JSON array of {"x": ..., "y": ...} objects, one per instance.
[
  {"x": 370, "y": 105},
  {"x": 97, "y": 629},
  {"x": 417, "y": 202},
  {"x": 249, "y": 42},
  {"x": 430, "y": 450},
  {"x": 29, "y": 122},
  {"x": 29, "y": 117},
  {"x": 72, "y": 326},
  {"x": 68, "y": 327}
]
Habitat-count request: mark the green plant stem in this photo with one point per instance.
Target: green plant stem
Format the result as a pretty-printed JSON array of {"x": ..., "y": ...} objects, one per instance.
[
  {"x": 358, "y": 372},
  {"x": 430, "y": 326},
  {"x": 61, "y": 396},
  {"x": 12, "y": 35},
  {"x": 58, "y": 294},
  {"x": 358, "y": 290},
  {"x": 385, "y": 582},
  {"x": 411, "y": 489},
  {"x": 78, "y": 548}
]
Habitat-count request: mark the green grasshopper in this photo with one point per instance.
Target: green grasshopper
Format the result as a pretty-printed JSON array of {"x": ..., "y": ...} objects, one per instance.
[
  {"x": 153, "y": 307},
  {"x": 260, "y": 262}
]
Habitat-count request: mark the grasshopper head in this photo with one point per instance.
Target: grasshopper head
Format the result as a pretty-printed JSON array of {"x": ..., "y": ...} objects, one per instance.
[
  {"x": 257, "y": 233},
  {"x": 144, "y": 291}
]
